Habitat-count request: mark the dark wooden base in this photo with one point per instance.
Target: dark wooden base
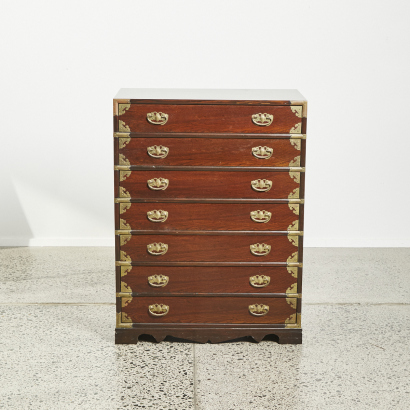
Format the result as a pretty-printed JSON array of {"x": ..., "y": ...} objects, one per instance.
[{"x": 205, "y": 334}]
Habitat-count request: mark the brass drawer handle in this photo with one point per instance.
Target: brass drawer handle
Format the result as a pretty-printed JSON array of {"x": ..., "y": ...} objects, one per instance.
[
  {"x": 158, "y": 151},
  {"x": 259, "y": 281},
  {"x": 158, "y": 184},
  {"x": 260, "y": 249},
  {"x": 261, "y": 216},
  {"x": 157, "y": 118},
  {"x": 262, "y": 119},
  {"x": 158, "y": 309},
  {"x": 262, "y": 152},
  {"x": 258, "y": 310},
  {"x": 158, "y": 281},
  {"x": 261, "y": 185},
  {"x": 157, "y": 249},
  {"x": 157, "y": 215}
]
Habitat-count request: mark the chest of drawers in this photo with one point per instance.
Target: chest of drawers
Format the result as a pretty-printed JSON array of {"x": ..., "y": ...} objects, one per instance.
[{"x": 209, "y": 188}]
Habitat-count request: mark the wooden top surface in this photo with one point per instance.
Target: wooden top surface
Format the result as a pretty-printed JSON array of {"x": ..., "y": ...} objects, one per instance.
[{"x": 207, "y": 94}]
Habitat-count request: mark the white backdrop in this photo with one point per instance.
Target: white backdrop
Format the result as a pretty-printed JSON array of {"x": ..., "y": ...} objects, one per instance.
[{"x": 63, "y": 61}]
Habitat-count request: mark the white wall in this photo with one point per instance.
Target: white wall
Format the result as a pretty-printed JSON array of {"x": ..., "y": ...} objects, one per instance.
[{"x": 63, "y": 61}]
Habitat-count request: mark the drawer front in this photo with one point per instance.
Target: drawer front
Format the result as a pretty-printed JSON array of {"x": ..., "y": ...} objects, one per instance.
[
  {"x": 178, "y": 309},
  {"x": 208, "y": 279},
  {"x": 209, "y": 152},
  {"x": 154, "y": 118},
  {"x": 208, "y": 248},
  {"x": 212, "y": 217},
  {"x": 208, "y": 184}
]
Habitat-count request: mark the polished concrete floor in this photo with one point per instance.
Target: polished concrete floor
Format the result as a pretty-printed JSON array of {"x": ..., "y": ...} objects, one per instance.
[{"x": 57, "y": 341}]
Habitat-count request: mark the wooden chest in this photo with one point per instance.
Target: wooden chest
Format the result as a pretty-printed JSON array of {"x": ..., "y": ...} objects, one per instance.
[{"x": 209, "y": 188}]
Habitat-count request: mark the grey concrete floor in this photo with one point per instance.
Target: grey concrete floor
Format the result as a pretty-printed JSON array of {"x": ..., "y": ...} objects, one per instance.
[{"x": 57, "y": 346}]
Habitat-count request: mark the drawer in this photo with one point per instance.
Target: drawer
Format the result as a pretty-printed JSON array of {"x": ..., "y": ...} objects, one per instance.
[
  {"x": 209, "y": 152},
  {"x": 209, "y": 184},
  {"x": 255, "y": 119},
  {"x": 213, "y": 217},
  {"x": 208, "y": 279},
  {"x": 212, "y": 309},
  {"x": 209, "y": 248}
]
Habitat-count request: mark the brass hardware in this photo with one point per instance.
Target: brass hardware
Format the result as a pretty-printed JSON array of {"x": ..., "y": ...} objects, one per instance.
[
  {"x": 157, "y": 118},
  {"x": 261, "y": 185},
  {"x": 262, "y": 119},
  {"x": 126, "y": 318},
  {"x": 124, "y": 206},
  {"x": 124, "y": 239},
  {"x": 293, "y": 258},
  {"x": 124, "y": 164},
  {"x": 122, "y": 142},
  {"x": 124, "y": 175},
  {"x": 157, "y": 215},
  {"x": 123, "y": 135},
  {"x": 126, "y": 301},
  {"x": 293, "y": 321},
  {"x": 124, "y": 289},
  {"x": 292, "y": 289},
  {"x": 158, "y": 281},
  {"x": 292, "y": 302},
  {"x": 124, "y": 225},
  {"x": 260, "y": 249},
  {"x": 123, "y": 127},
  {"x": 295, "y": 176},
  {"x": 125, "y": 257},
  {"x": 293, "y": 271},
  {"x": 261, "y": 216},
  {"x": 296, "y": 143},
  {"x": 157, "y": 249},
  {"x": 158, "y": 184},
  {"x": 122, "y": 108},
  {"x": 295, "y": 162},
  {"x": 123, "y": 161},
  {"x": 294, "y": 208},
  {"x": 294, "y": 226},
  {"x": 294, "y": 193},
  {"x": 296, "y": 129},
  {"x": 158, "y": 151},
  {"x": 258, "y": 310},
  {"x": 262, "y": 152},
  {"x": 293, "y": 239},
  {"x": 123, "y": 263},
  {"x": 297, "y": 110},
  {"x": 119, "y": 322},
  {"x": 123, "y": 294},
  {"x": 158, "y": 309},
  {"x": 298, "y": 136},
  {"x": 124, "y": 193},
  {"x": 125, "y": 270},
  {"x": 259, "y": 281}
]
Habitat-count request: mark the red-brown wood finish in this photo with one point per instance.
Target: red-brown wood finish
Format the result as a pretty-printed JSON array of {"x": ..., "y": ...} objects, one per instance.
[
  {"x": 210, "y": 152},
  {"x": 208, "y": 279},
  {"x": 209, "y": 184},
  {"x": 204, "y": 248},
  {"x": 207, "y": 309},
  {"x": 210, "y": 217},
  {"x": 210, "y": 118}
]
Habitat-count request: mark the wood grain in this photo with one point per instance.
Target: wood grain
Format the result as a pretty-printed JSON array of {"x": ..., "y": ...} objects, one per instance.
[
  {"x": 209, "y": 184},
  {"x": 210, "y": 152},
  {"x": 210, "y": 118},
  {"x": 207, "y": 309},
  {"x": 201, "y": 279},
  {"x": 213, "y": 217},
  {"x": 208, "y": 248}
]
